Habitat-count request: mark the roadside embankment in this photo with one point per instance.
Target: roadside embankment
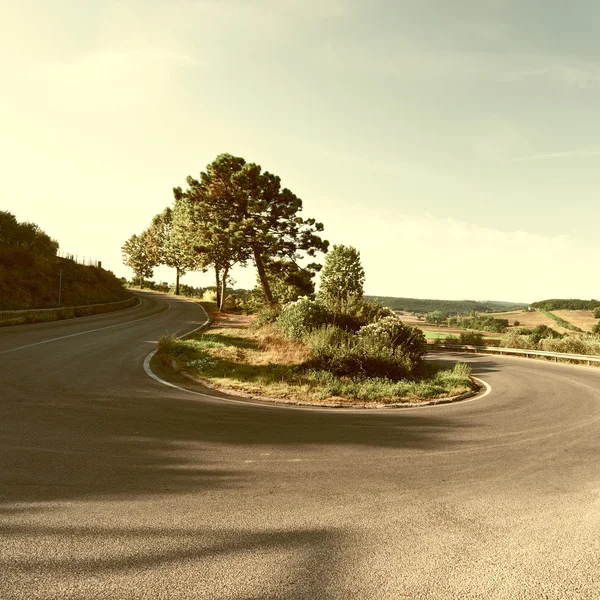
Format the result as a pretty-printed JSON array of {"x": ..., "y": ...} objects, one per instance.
[{"x": 42, "y": 315}]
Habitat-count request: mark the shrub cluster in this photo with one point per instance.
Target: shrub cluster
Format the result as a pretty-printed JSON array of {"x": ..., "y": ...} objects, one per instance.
[
  {"x": 539, "y": 332},
  {"x": 480, "y": 323},
  {"x": 583, "y": 344},
  {"x": 370, "y": 341},
  {"x": 588, "y": 344}
]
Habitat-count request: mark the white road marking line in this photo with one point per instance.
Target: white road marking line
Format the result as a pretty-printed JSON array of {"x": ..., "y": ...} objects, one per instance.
[
  {"x": 63, "y": 337},
  {"x": 488, "y": 389}
]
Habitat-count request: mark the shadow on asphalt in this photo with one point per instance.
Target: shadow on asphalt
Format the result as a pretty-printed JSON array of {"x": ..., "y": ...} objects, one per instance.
[
  {"x": 287, "y": 557},
  {"x": 91, "y": 447}
]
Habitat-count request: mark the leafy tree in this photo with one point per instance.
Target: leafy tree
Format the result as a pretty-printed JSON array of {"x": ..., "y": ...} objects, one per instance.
[
  {"x": 137, "y": 256},
  {"x": 436, "y": 317},
  {"x": 288, "y": 282},
  {"x": 244, "y": 214},
  {"x": 169, "y": 241},
  {"x": 25, "y": 236},
  {"x": 342, "y": 279}
]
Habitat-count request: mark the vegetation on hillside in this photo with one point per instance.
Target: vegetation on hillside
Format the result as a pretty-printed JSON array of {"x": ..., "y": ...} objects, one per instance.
[
  {"x": 560, "y": 321},
  {"x": 567, "y": 304},
  {"x": 30, "y": 272},
  {"x": 448, "y": 307}
]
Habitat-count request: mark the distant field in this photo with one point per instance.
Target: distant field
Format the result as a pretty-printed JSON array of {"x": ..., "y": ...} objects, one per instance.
[
  {"x": 580, "y": 318},
  {"x": 532, "y": 319},
  {"x": 409, "y": 318},
  {"x": 454, "y": 307},
  {"x": 510, "y": 315},
  {"x": 437, "y": 335}
]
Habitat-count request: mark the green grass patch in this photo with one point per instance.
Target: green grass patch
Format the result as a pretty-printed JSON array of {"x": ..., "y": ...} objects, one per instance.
[
  {"x": 262, "y": 361},
  {"x": 436, "y": 335}
]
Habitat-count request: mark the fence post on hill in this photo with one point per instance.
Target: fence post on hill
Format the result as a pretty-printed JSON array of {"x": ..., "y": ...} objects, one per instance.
[{"x": 59, "y": 286}]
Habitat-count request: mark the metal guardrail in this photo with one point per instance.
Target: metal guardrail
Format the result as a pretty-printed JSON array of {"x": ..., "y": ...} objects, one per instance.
[{"x": 521, "y": 352}]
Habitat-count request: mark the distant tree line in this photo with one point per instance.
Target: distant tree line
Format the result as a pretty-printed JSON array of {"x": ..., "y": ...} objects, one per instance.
[
  {"x": 448, "y": 307},
  {"x": 234, "y": 213},
  {"x": 567, "y": 304}
]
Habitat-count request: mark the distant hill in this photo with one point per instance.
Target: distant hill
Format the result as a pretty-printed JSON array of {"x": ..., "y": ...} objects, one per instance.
[
  {"x": 566, "y": 304},
  {"x": 451, "y": 307}
]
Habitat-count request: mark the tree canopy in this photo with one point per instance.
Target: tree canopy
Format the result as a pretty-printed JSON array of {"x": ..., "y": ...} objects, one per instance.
[
  {"x": 242, "y": 213},
  {"x": 137, "y": 256},
  {"x": 342, "y": 279},
  {"x": 26, "y": 236}
]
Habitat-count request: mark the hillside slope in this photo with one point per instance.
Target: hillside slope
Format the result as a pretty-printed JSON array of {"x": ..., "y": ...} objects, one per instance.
[{"x": 29, "y": 280}]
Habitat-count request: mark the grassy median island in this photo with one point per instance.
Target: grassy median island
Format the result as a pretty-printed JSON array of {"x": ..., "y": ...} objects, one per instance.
[{"x": 263, "y": 361}]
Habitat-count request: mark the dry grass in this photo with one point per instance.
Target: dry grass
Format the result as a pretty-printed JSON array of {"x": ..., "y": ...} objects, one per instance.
[
  {"x": 276, "y": 347},
  {"x": 533, "y": 319},
  {"x": 263, "y": 362},
  {"x": 584, "y": 319}
]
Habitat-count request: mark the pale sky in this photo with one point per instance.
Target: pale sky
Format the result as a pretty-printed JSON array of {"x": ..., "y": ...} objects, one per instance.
[{"x": 455, "y": 144}]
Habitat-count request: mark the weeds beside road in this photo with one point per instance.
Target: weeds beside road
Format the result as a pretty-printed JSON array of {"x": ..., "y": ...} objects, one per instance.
[{"x": 263, "y": 361}]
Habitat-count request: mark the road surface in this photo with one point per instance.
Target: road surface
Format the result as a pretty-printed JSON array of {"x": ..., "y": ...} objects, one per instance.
[{"x": 115, "y": 486}]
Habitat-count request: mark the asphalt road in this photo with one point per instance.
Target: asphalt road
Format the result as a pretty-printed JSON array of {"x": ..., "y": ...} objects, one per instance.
[{"x": 115, "y": 486}]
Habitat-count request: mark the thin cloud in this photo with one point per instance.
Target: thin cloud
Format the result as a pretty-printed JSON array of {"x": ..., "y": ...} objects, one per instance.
[{"x": 583, "y": 153}]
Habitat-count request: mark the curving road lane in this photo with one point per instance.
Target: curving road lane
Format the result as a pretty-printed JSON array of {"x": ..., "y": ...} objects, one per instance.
[{"x": 115, "y": 486}]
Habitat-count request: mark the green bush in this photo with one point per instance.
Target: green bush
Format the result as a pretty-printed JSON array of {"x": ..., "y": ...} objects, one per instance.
[
  {"x": 582, "y": 344},
  {"x": 471, "y": 339},
  {"x": 514, "y": 339},
  {"x": 387, "y": 348},
  {"x": 267, "y": 315},
  {"x": 480, "y": 323},
  {"x": 391, "y": 333},
  {"x": 299, "y": 318}
]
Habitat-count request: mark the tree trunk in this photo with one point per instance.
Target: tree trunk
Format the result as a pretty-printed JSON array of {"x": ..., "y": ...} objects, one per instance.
[
  {"x": 264, "y": 282},
  {"x": 218, "y": 279},
  {"x": 223, "y": 289},
  {"x": 141, "y": 283},
  {"x": 176, "y": 281}
]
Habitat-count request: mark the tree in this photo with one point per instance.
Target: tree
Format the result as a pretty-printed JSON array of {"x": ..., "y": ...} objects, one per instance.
[
  {"x": 437, "y": 317},
  {"x": 170, "y": 242},
  {"x": 137, "y": 256},
  {"x": 245, "y": 214},
  {"x": 26, "y": 236},
  {"x": 342, "y": 279},
  {"x": 288, "y": 281}
]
